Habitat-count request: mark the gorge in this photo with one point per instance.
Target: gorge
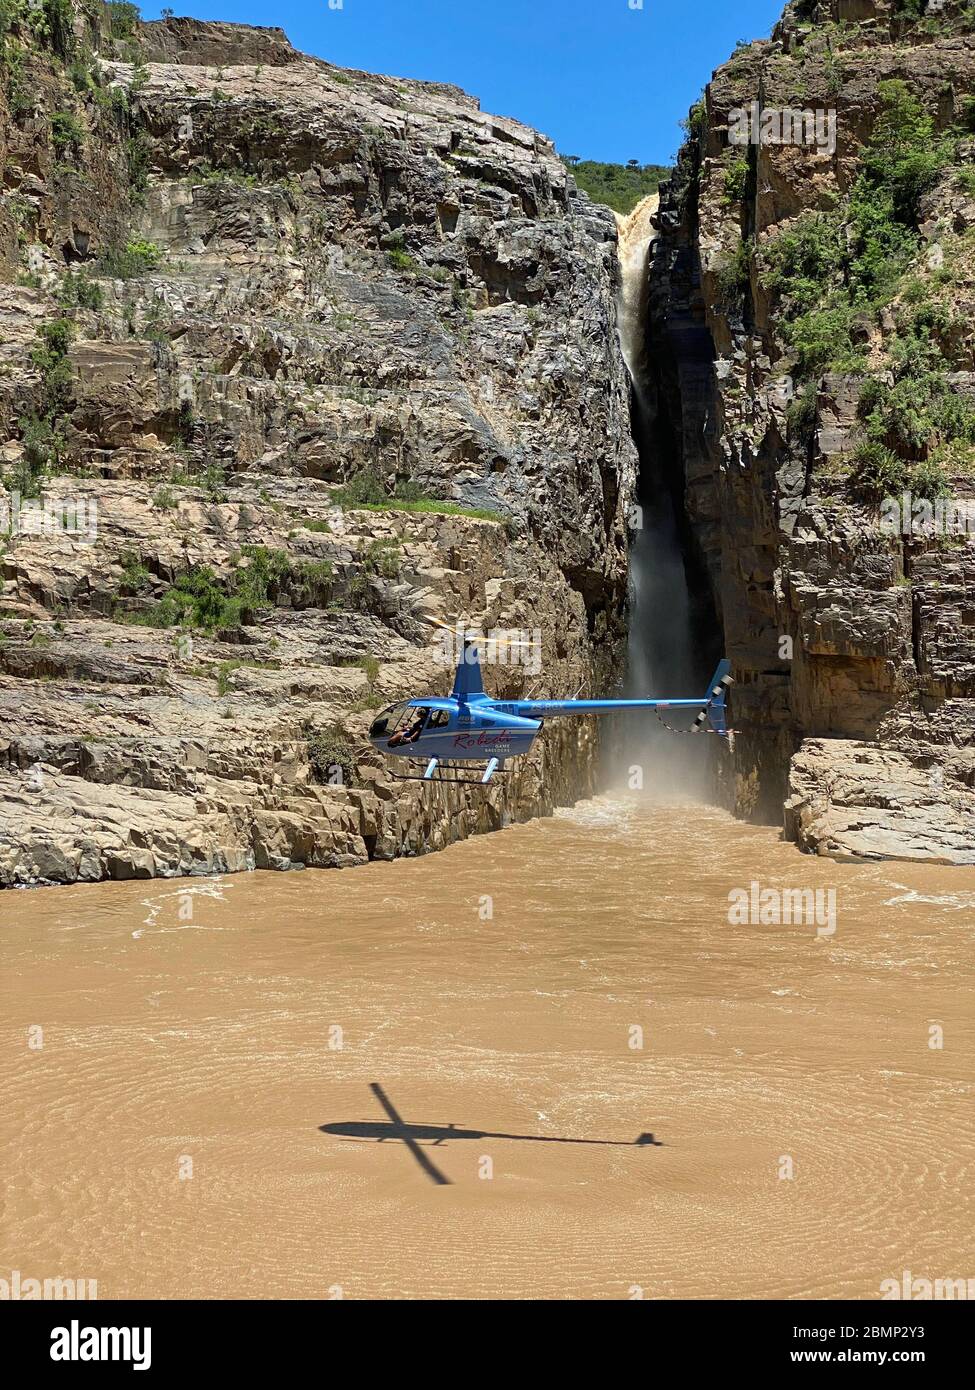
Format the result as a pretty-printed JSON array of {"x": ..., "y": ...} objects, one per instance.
[
  {"x": 301, "y": 364},
  {"x": 334, "y": 354}
]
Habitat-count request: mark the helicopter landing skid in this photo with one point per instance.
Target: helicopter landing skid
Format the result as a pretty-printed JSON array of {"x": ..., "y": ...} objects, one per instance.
[{"x": 437, "y": 771}]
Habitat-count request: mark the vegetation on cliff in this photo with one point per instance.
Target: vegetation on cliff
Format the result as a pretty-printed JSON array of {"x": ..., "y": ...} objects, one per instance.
[
  {"x": 835, "y": 273},
  {"x": 618, "y": 186}
]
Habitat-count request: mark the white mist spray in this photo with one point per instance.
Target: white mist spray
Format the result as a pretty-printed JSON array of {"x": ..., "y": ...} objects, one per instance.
[{"x": 660, "y": 649}]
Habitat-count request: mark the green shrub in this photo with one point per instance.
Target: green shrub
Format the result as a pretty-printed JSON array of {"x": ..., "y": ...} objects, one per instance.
[
  {"x": 734, "y": 275},
  {"x": 903, "y": 155},
  {"x": 43, "y": 447},
  {"x": 834, "y": 74},
  {"x": 137, "y": 158},
  {"x": 399, "y": 258},
  {"x": 135, "y": 577},
  {"x": 363, "y": 489},
  {"x": 211, "y": 479},
  {"x": 134, "y": 259},
  {"x": 77, "y": 291},
  {"x": 186, "y": 426},
  {"x": 365, "y": 492},
  {"x": 22, "y": 479},
  {"x": 370, "y": 665},
  {"x": 122, "y": 18},
  {"x": 822, "y": 341},
  {"x": 224, "y": 671},
  {"x": 735, "y": 181},
  {"x": 929, "y": 479},
  {"x": 919, "y": 410},
  {"x": 802, "y": 412},
  {"x": 197, "y": 600},
  {"x": 265, "y": 570},
  {"x": 359, "y": 594},
  {"x": 800, "y": 259},
  {"x": 311, "y": 583},
  {"x": 381, "y": 557},
  {"x": 21, "y": 96},
  {"x": 67, "y": 135},
  {"x": 877, "y": 473},
  {"x": 695, "y": 121},
  {"x": 830, "y": 267},
  {"x": 10, "y": 11},
  {"x": 331, "y": 756},
  {"x": 879, "y": 247},
  {"x": 56, "y": 28},
  {"x": 51, "y": 359},
  {"x": 82, "y": 75}
]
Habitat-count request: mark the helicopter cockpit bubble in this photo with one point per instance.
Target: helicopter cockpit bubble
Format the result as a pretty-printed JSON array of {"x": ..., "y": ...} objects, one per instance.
[{"x": 389, "y": 720}]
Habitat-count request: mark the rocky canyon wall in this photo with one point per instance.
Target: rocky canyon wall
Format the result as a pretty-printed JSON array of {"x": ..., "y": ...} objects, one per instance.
[
  {"x": 299, "y": 358},
  {"x": 814, "y": 356}
]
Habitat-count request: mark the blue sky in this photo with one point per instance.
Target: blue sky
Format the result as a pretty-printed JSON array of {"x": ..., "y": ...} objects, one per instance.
[{"x": 604, "y": 80}]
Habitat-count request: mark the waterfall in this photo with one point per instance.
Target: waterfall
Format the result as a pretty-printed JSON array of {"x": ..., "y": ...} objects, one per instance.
[{"x": 660, "y": 653}]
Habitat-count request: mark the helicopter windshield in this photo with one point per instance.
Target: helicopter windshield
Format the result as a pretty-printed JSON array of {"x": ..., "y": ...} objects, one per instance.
[{"x": 391, "y": 720}]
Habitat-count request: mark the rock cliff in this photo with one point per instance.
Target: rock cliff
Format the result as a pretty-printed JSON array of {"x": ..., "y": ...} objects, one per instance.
[
  {"x": 298, "y": 361},
  {"x": 811, "y": 298},
  {"x": 294, "y": 360}
]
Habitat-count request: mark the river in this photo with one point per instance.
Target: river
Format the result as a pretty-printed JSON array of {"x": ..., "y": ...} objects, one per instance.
[{"x": 246, "y": 1086}]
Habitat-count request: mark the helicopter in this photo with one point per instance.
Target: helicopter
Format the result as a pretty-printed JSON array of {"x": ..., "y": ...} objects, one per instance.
[{"x": 469, "y": 732}]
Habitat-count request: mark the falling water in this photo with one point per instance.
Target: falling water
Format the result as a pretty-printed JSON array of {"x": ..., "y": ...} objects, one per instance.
[{"x": 661, "y": 658}]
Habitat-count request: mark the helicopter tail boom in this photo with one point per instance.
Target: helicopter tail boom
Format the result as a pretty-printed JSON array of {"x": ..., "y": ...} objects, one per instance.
[{"x": 712, "y": 707}]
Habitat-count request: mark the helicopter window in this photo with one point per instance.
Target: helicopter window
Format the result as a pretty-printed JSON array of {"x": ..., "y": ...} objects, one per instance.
[
  {"x": 409, "y": 727},
  {"x": 439, "y": 719}
]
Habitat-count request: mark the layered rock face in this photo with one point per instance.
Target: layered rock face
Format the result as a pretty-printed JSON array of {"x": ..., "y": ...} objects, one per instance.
[
  {"x": 811, "y": 331},
  {"x": 247, "y": 296}
]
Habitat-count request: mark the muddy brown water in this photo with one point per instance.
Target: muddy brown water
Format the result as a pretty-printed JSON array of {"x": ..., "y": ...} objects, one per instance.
[{"x": 194, "y": 1124}]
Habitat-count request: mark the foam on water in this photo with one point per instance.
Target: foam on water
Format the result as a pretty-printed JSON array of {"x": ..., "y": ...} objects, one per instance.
[{"x": 209, "y": 888}]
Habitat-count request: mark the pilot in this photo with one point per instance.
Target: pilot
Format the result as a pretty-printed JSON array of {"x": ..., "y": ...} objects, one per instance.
[{"x": 410, "y": 734}]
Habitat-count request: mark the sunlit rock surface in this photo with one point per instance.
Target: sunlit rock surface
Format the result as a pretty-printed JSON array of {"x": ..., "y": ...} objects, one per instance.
[{"x": 350, "y": 273}]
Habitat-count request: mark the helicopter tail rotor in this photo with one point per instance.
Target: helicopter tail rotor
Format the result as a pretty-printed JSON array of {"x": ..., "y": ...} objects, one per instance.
[{"x": 715, "y": 713}]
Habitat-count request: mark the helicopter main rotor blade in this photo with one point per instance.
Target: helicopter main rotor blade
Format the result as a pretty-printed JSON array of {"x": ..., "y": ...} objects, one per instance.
[{"x": 471, "y": 635}]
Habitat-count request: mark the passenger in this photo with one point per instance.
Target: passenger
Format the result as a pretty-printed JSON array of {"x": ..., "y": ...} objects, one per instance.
[{"x": 411, "y": 734}]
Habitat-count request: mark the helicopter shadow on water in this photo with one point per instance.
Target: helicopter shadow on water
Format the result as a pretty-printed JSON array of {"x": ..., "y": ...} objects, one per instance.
[{"x": 413, "y": 1135}]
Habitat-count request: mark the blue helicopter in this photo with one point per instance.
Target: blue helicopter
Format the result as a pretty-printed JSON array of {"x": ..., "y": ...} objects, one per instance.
[{"x": 450, "y": 735}]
